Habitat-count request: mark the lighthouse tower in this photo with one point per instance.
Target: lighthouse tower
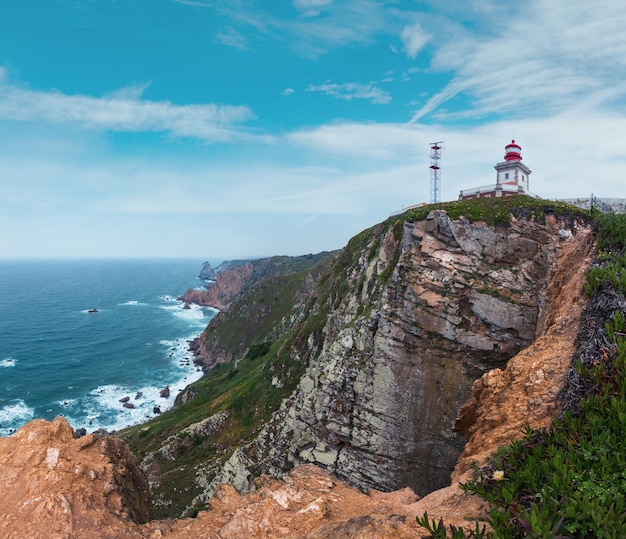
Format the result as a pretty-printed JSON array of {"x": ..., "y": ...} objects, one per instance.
[
  {"x": 511, "y": 171},
  {"x": 512, "y": 177}
]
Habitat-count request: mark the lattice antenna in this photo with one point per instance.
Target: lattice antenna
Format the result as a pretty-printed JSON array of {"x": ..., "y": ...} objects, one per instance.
[{"x": 435, "y": 172}]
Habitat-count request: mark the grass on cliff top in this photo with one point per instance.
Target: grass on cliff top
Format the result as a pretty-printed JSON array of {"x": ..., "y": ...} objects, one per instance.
[
  {"x": 496, "y": 211},
  {"x": 568, "y": 481}
]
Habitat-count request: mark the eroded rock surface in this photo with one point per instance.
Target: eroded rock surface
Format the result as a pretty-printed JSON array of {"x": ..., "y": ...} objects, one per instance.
[
  {"x": 55, "y": 486},
  {"x": 374, "y": 390},
  {"x": 426, "y": 311}
]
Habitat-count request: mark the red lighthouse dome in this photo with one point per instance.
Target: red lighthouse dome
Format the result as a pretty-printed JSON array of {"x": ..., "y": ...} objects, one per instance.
[{"x": 513, "y": 152}]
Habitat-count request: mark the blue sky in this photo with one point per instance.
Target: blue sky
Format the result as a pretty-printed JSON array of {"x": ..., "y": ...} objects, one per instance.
[{"x": 224, "y": 129}]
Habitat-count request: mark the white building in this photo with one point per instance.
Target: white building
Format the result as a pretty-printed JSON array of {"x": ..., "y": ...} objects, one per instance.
[{"x": 512, "y": 177}]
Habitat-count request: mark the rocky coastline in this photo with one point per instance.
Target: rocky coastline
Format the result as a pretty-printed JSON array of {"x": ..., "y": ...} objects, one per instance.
[{"x": 400, "y": 363}]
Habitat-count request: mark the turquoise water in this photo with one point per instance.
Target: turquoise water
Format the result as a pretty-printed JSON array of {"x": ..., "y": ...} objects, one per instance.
[{"x": 56, "y": 358}]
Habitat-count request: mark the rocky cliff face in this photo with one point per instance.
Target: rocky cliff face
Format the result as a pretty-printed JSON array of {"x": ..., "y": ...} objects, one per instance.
[
  {"x": 262, "y": 293},
  {"x": 219, "y": 294},
  {"x": 420, "y": 311},
  {"x": 234, "y": 276},
  {"x": 207, "y": 272}
]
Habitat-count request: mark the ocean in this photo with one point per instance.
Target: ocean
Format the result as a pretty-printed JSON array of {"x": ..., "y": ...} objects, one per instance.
[{"x": 57, "y": 358}]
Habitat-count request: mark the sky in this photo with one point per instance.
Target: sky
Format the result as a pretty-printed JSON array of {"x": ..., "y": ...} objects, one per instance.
[{"x": 219, "y": 129}]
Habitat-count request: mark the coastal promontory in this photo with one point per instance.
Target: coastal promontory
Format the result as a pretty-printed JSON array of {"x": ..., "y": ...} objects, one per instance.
[{"x": 355, "y": 391}]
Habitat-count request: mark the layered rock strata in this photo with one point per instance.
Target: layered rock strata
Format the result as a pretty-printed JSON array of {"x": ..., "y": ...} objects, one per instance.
[
  {"x": 55, "y": 486},
  {"x": 425, "y": 309}
]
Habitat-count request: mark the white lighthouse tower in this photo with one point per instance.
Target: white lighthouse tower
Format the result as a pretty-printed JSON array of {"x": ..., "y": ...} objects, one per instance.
[
  {"x": 512, "y": 171},
  {"x": 512, "y": 177}
]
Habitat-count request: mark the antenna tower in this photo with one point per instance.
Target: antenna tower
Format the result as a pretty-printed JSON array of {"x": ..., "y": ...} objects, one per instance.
[{"x": 435, "y": 175}]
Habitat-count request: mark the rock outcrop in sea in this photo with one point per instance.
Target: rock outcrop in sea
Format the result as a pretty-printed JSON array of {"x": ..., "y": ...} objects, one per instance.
[{"x": 207, "y": 273}]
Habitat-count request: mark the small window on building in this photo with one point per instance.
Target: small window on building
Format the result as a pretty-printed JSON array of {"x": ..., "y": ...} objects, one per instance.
[{"x": 506, "y": 176}]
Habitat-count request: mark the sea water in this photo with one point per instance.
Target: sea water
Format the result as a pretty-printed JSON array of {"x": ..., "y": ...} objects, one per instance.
[{"x": 57, "y": 358}]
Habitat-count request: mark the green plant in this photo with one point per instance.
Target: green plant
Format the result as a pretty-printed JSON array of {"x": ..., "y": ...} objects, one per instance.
[
  {"x": 258, "y": 350},
  {"x": 438, "y": 529},
  {"x": 569, "y": 480},
  {"x": 611, "y": 267}
]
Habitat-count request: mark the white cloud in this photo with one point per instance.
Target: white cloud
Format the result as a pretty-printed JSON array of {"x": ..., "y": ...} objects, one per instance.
[
  {"x": 311, "y": 8},
  {"x": 361, "y": 142},
  {"x": 129, "y": 93},
  {"x": 414, "y": 38},
  {"x": 231, "y": 38},
  {"x": 545, "y": 58},
  {"x": 123, "y": 111},
  {"x": 344, "y": 23},
  {"x": 287, "y": 91},
  {"x": 352, "y": 90}
]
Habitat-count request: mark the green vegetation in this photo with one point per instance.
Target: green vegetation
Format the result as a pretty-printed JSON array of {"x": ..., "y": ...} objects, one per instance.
[
  {"x": 612, "y": 260},
  {"x": 568, "y": 480},
  {"x": 246, "y": 391},
  {"x": 496, "y": 211}
]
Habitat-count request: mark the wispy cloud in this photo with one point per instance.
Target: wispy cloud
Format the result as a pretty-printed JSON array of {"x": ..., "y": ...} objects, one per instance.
[
  {"x": 232, "y": 38},
  {"x": 358, "y": 141},
  {"x": 352, "y": 90},
  {"x": 414, "y": 38},
  {"x": 123, "y": 110},
  {"x": 342, "y": 23},
  {"x": 546, "y": 57},
  {"x": 311, "y": 8}
]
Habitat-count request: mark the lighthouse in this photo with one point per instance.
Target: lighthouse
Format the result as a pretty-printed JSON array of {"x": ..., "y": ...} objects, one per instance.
[
  {"x": 512, "y": 177},
  {"x": 512, "y": 171}
]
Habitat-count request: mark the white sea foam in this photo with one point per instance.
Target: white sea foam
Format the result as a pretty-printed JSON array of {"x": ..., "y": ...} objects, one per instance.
[
  {"x": 8, "y": 362},
  {"x": 14, "y": 415},
  {"x": 132, "y": 302},
  {"x": 103, "y": 407},
  {"x": 192, "y": 314},
  {"x": 67, "y": 402}
]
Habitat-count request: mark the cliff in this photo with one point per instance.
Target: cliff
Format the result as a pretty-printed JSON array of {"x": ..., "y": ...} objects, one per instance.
[
  {"x": 207, "y": 272},
  {"x": 416, "y": 314},
  {"x": 234, "y": 276},
  {"x": 52, "y": 485},
  {"x": 367, "y": 363},
  {"x": 429, "y": 330}
]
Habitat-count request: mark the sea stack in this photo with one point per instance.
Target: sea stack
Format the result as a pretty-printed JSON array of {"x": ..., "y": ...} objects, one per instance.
[{"x": 207, "y": 273}]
